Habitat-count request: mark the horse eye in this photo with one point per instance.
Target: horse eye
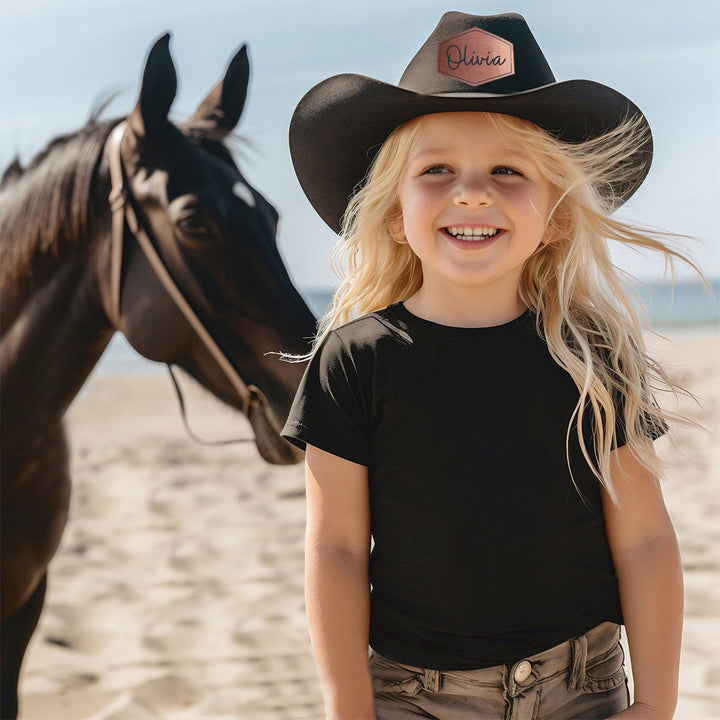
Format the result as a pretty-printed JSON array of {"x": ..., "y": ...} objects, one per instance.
[{"x": 199, "y": 225}]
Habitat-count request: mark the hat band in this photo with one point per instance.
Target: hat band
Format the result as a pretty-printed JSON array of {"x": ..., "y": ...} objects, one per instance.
[
  {"x": 465, "y": 95},
  {"x": 487, "y": 95}
]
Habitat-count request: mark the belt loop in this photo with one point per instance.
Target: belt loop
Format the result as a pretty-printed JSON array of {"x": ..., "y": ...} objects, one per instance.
[
  {"x": 432, "y": 680},
  {"x": 576, "y": 677}
]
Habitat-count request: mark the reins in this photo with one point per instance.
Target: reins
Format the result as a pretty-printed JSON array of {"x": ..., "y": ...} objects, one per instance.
[{"x": 122, "y": 211}]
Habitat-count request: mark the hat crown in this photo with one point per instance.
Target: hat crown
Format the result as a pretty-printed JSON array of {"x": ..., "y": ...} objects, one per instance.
[{"x": 491, "y": 54}]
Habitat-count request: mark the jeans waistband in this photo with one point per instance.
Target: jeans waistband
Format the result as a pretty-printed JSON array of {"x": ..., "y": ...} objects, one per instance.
[{"x": 570, "y": 657}]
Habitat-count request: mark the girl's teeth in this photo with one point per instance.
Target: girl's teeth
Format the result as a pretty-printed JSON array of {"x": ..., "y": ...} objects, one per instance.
[{"x": 474, "y": 233}]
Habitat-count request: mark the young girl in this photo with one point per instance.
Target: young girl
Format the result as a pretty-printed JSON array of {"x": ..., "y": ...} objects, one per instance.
[{"x": 479, "y": 402}]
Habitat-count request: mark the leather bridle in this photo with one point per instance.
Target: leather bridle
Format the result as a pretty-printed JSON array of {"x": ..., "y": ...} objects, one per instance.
[{"x": 121, "y": 204}]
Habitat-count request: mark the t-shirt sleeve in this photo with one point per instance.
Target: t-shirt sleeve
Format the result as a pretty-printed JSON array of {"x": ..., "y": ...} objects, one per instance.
[
  {"x": 649, "y": 426},
  {"x": 328, "y": 411},
  {"x": 652, "y": 426}
]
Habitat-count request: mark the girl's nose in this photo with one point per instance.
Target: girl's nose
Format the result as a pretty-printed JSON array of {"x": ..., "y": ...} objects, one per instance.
[{"x": 473, "y": 192}]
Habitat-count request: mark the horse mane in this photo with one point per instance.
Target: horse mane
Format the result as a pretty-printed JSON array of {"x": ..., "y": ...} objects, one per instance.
[{"x": 47, "y": 209}]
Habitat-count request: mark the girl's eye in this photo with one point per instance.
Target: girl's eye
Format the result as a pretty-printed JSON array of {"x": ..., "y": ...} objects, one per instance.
[
  {"x": 436, "y": 170},
  {"x": 504, "y": 170}
]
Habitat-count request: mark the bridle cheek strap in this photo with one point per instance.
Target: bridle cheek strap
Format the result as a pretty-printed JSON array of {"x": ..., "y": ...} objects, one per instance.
[{"x": 122, "y": 212}]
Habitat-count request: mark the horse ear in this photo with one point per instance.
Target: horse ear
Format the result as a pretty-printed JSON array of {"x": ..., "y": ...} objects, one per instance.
[
  {"x": 223, "y": 106},
  {"x": 157, "y": 92}
]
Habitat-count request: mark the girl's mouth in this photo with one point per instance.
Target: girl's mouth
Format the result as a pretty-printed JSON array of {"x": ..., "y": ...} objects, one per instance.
[{"x": 471, "y": 234}]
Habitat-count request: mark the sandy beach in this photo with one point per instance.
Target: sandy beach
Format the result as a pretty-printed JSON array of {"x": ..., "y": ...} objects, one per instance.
[{"x": 178, "y": 588}]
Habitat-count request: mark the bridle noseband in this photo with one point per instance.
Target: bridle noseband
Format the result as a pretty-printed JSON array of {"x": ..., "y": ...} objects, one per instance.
[{"x": 122, "y": 211}]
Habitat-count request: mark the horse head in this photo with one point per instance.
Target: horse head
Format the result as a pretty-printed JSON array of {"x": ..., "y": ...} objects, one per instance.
[{"x": 214, "y": 235}]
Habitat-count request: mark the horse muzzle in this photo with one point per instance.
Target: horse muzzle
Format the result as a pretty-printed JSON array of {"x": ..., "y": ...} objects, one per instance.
[{"x": 272, "y": 447}]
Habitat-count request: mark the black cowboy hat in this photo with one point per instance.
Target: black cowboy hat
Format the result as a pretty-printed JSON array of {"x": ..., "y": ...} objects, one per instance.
[{"x": 470, "y": 62}]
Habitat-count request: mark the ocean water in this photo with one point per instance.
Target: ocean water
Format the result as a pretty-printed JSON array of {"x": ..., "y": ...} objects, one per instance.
[{"x": 686, "y": 306}]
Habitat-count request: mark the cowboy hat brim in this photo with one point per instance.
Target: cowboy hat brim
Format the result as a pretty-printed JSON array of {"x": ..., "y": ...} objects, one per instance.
[{"x": 340, "y": 123}]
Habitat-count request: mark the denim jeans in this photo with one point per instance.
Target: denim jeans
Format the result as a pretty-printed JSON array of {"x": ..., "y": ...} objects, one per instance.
[{"x": 581, "y": 679}]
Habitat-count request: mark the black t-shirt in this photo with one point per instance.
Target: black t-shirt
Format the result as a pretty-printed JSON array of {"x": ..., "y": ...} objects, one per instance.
[{"x": 484, "y": 550}]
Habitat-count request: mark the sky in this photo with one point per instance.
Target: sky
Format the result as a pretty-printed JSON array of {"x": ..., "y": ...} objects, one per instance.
[{"x": 58, "y": 58}]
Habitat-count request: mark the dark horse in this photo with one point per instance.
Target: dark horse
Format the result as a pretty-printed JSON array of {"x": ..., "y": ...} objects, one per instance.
[{"x": 188, "y": 270}]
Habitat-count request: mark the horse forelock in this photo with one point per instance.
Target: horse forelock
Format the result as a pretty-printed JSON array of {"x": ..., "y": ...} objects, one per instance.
[
  {"x": 47, "y": 209},
  {"x": 223, "y": 145}
]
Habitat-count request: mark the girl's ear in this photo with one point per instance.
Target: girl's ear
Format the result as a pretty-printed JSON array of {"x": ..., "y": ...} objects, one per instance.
[
  {"x": 396, "y": 227},
  {"x": 547, "y": 238},
  {"x": 550, "y": 235}
]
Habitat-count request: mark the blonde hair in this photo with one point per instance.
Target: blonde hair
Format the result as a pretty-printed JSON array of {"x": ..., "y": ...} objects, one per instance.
[{"x": 579, "y": 297}]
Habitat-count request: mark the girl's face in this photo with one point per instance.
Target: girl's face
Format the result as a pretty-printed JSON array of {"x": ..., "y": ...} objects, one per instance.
[{"x": 474, "y": 205}]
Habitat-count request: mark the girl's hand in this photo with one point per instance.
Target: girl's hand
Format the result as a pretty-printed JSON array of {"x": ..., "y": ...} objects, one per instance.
[{"x": 640, "y": 711}]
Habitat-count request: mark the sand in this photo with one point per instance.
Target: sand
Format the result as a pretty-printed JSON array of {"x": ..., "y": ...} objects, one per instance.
[{"x": 177, "y": 591}]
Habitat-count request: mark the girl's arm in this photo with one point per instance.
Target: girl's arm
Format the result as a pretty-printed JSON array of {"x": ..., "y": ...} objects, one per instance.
[
  {"x": 647, "y": 561},
  {"x": 337, "y": 589}
]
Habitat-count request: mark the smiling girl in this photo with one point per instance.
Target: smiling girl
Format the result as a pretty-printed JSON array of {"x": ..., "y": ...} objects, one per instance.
[{"x": 478, "y": 412}]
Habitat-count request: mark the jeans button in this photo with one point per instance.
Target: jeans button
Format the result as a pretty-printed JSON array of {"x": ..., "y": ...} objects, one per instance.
[{"x": 522, "y": 671}]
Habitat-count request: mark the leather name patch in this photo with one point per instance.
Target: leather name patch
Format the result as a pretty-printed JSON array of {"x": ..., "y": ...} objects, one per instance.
[{"x": 476, "y": 57}]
